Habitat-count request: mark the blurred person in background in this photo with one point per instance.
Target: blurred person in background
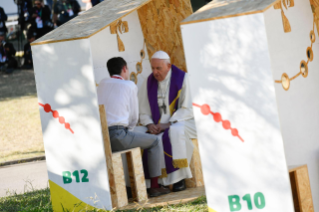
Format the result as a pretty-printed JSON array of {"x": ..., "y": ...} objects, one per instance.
[
  {"x": 88, "y": 4},
  {"x": 3, "y": 19},
  {"x": 7, "y": 52},
  {"x": 41, "y": 18},
  {"x": 50, "y": 4},
  {"x": 65, "y": 10},
  {"x": 28, "y": 63},
  {"x": 25, "y": 13}
]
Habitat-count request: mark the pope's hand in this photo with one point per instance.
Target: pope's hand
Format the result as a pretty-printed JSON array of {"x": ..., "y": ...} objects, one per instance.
[
  {"x": 162, "y": 127},
  {"x": 153, "y": 129}
]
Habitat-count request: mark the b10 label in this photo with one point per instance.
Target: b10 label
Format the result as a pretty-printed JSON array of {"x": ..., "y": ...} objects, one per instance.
[
  {"x": 67, "y": 177},
  {"x": 235, "y": 205}
]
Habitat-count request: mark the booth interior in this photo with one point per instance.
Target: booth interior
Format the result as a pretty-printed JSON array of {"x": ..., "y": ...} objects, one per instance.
[{"x": 69, "y": 64}]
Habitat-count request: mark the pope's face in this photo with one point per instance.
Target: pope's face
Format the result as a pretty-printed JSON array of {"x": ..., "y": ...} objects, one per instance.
[{"x": 160, "y": 68}]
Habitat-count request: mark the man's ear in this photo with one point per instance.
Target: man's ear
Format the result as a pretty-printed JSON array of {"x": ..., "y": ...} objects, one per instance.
[
  {"x": 124, "y": 69},
  {"x": 169, "y": 65}
]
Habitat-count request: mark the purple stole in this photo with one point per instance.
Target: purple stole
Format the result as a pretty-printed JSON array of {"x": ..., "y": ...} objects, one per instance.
[{"x": 176, "y": 84}]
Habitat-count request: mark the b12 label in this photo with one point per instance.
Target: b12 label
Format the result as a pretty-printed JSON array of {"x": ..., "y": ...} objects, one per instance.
[
  {"x": 235, "y": 205},
  {"x": 67, "y": 177}
]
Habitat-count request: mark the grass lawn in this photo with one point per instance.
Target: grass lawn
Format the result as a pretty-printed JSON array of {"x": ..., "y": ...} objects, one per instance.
[
  {"x": 40, "y": 201},
  {"x": 20, "y": 126}
]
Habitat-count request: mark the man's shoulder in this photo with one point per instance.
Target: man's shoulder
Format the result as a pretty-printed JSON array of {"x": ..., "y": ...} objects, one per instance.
[
  {"x": 129, "y": 84},
  {"x": 124, "y": 83}
]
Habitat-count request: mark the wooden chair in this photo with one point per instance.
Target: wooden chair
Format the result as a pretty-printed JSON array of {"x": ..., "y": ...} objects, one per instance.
[
  {"x": 135, "y": 166},
  {"x": 116, "y": 172},
  {"x": 301, "y": 190}
]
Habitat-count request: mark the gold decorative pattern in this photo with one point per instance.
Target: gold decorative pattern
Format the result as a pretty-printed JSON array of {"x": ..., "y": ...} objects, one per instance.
[
  {"x": 117, "y": 27},
  {"x": 285, "y": 21},
  {"x": 285, "y": 80},
  {"x": 139, "y": 65},
  {"x": 180, "y": 163},
  {"x": 160, "y": 24}
]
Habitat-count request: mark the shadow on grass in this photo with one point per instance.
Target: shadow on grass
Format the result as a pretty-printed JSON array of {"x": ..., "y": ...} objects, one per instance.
[{"x": 19, "y": 83}]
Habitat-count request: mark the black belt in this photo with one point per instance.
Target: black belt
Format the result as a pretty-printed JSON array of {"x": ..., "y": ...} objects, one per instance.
[{"x": 117, "y": 127}]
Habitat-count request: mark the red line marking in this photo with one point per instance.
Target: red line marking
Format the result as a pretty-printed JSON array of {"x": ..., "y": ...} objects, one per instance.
[
  {"x": 205, "y": 109},
  {"x": 55, "y": 114}
]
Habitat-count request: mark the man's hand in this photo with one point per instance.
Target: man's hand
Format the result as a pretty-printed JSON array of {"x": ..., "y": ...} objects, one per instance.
[
  {"x": 153, "y": 129},
  {"x": 163, "y": 127}
]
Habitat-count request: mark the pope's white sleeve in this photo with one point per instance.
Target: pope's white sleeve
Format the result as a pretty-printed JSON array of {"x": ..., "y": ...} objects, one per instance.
[
  {"x": 133, "y": 108},
  {"x": 185, "y": 111},
  {"x": 145, "y": 110}
]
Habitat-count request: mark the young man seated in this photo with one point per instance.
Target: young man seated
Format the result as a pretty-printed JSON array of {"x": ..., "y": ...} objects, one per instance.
[
  {"x": 7, "y": 52},
  {"x": 119, "y": 96}
]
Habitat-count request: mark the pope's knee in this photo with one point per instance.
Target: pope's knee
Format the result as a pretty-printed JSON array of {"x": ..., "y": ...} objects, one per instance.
[{"x": 177, "y": 129}]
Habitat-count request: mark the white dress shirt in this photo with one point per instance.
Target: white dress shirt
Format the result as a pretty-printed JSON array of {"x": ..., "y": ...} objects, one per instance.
[{"x": 120, "y": 100}]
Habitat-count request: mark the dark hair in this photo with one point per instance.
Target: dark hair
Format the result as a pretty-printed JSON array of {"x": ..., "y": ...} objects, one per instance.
[{"x": 115, "y": 65}]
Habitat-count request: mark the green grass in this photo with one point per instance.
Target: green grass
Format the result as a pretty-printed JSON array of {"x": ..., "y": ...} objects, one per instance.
[
  {"x": 39, "y": 200},
  {"x": 29, "y": 201}
]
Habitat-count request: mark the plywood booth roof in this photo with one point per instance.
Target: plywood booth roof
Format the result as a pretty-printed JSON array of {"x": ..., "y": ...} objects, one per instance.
[
  {"x": 219, "y": 9},
  {"x": 92, "y": 21}
]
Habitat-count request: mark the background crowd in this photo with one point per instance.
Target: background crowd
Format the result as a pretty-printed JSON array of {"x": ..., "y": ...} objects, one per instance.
[{"x": 35, "y": 19}]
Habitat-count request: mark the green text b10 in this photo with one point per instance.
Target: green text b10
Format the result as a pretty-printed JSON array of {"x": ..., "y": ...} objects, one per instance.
[
  {"x": 235, "y": 205},
  {"x": 67, "y": 177}
]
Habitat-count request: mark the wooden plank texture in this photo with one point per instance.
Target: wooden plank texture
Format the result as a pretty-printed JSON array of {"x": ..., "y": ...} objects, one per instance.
[
  {"x": 196, "y": 168},
  {"x": 160, "y": 24},
  {"x": 172, "y": 198},
  {"x": 108, "y": 154},
  {"x": 92, "y": 21},
  {"x": 219, "y": 9},
  {"x": 301, "y": 189}
]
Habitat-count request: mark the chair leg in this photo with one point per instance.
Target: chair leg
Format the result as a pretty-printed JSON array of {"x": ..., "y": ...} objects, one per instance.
[
  {"x": 120, "y": 187},
  {"x": 135, "y": 165}
]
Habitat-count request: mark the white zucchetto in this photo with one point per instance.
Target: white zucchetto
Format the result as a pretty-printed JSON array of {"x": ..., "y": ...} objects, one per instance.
[{"x": 161, "y": 55}]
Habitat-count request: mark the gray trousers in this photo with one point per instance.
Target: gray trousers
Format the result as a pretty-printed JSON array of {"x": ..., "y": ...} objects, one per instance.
[{"x": 122, "y": 139}]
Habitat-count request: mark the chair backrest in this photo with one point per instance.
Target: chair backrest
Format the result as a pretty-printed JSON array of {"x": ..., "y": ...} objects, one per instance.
[{"x": 108, "y": 153}]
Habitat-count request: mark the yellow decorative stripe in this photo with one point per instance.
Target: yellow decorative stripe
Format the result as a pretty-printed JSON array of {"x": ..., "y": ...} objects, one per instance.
[
  {"x": 211, "y": 210},
  {"x": 180, "y": 163},
  {"x": 62, "y": 200},
  {"x": 172, "y": 105},
  {"x": 164, "y": 173},
  {"x": 168, "y": 155}
]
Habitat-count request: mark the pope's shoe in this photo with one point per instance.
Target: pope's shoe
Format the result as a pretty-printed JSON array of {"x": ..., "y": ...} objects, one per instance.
[
  {"x": 179, "y": 186},
  {"x": 155, "y": 192}
]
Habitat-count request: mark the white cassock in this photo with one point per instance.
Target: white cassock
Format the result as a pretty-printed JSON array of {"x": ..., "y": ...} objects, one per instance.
[{"x": 180, "y": 133}]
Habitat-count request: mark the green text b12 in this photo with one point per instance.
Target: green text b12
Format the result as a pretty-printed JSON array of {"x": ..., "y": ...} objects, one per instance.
[{"x": 67, "y": 177}]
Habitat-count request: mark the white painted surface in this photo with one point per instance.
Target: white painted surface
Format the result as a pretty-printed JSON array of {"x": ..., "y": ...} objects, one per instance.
[
  {"x": 229, "y": 68},
  {"x": 298, "y": 107},
  {"x": 105, "y": 46},
  {"x": 65, "y": 79}
]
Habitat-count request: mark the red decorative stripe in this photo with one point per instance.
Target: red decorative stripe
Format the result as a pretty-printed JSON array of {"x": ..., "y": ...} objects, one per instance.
[
  {"x": 205, "y": 109},
  {"x": 55, "y": 114}
]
